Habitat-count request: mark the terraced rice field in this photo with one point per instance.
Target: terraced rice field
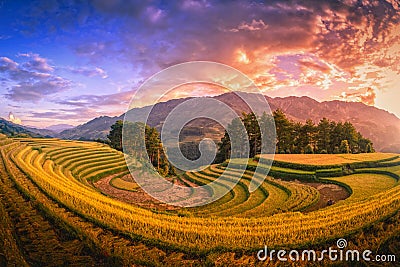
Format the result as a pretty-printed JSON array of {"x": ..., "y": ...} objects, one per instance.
[
  {"x": 124, "y": 184},
  {"x": 331, "y": 159},
  {"x": 56, "y": 214}
]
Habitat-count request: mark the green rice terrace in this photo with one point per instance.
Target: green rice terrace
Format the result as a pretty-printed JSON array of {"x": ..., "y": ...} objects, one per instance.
[{"x": 75, "y": 203}]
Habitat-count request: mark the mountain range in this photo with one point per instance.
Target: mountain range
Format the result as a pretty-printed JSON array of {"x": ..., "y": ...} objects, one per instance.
[
  {"x": 12, "y": 129},
  {"x": 382, "y": 127},
  {"x": 58, "y": 128}
]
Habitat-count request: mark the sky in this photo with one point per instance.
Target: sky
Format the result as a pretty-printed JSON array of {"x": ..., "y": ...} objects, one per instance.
[{"x": 70, "y": 61}]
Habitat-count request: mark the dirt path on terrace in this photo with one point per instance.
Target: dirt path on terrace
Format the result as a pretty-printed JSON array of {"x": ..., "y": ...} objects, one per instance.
[
  {"x": 328, "y": 192},
  {"x": 138, "y": 197}
]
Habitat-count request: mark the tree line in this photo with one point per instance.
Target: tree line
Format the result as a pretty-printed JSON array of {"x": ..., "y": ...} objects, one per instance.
[
  {"x": 326, "y": 137},
  {"x": 133, "y": 133},
  {"x": 289, "y": 137}
]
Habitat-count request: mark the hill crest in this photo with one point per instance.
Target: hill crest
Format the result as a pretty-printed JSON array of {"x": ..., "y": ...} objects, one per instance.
[{"x": 382, "y": 127}]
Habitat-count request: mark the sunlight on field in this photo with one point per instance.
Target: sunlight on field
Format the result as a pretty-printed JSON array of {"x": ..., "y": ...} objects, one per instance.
[
  {"x": 56, "y": 171},
  {"x": 330, "y": 159},
  {"x": 365, "y": 185},
  {"x": 125, "y": 185}
]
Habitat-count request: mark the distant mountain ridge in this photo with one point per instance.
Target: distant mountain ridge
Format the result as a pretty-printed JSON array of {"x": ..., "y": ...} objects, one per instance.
[
  {"x": 12, "y": 129},
  {"x": 382, "y": 127},
  {"x": 94, "y": 129},
  {"x": 59, "y": 127}
]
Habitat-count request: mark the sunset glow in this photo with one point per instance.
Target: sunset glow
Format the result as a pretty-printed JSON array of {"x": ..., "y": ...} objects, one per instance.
[
  {"x": 89, "y": 61},
  {"x": 242, "y": 57}
]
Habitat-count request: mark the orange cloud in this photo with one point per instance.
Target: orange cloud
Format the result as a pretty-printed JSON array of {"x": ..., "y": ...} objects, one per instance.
[
  {"x": 313, "y": 65},
  {"x": 367, "y": 97},
  {"x": 242, "y": 57},
  {"x": 194, "y": 90}
]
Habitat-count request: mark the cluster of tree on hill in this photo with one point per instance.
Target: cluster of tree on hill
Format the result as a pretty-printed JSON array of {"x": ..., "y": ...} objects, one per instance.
[
  {"x": 252, "y": 131},
  {"x": 326, "y": 137},
  {"x": 134, "y": 133}
]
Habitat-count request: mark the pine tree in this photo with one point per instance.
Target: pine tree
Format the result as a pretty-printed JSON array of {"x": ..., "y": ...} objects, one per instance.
[
  {"x": 252, "y": 127},
  {"x": 115, "y": 135},
  {"x": 284, "y": 131},
  {"x": 350, "y": 134},
  {"x": 323, "y": 136},
  {"x": 224, "y": 149},
  {"x": 268, "y": 133},
  {"x": 344, "y": 147},
  {"x": 298, "y": 145},
  {"x": 153, "y": 144},
  {"x": 327, "y": 137},
  {"x": 364, "y": 144},
  {"x": 336, "y": 137},
  {"x": 134, "y": 139},
  {"x": 133, "y": 144},
  {"x": 308, "y": 134},
  {"x": 239, "y": 134},
  {"x": 370, "y": 149}
]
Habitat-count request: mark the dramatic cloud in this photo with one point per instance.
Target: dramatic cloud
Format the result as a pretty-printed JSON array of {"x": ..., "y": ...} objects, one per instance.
[
  {"x": 36, "y": 63},
  {"x": 150, "y": 36},
  {"x": 321, "y": 48},
  {"x": 7, "y": 65},
  {"x": 31, "y": 80},
  {"x": 99, "y": 101},
  {"x": 343, "y": 33},
  {"x": 14, "y": 119},
  {"x": 311, "y": 63},
  {"x": 37, "y": 90},
  {"x": 253, "y": 26},
  {"x": 79, "y": 114},
  {"x": 367, "y": 97}
]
